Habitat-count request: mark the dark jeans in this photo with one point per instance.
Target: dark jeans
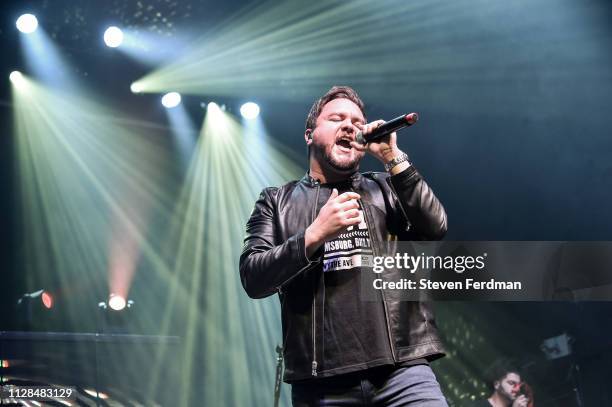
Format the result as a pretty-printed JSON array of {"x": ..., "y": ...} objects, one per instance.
[{"x": 385, "y": 386}]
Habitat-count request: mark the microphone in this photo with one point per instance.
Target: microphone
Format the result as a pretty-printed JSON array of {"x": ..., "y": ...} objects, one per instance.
[{"x": 387, "y": 128}]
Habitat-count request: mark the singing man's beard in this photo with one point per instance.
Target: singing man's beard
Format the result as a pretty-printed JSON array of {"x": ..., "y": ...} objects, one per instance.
[{"x": 344, "y": 166}]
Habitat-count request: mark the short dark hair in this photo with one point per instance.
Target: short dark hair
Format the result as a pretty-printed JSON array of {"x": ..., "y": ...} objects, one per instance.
[
  {"x": 336, "y": 92},
  {"x": 499, "y": 370}
]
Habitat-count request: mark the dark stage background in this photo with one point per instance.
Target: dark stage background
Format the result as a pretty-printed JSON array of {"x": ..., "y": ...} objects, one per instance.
[{"x": 514, "y": 138}]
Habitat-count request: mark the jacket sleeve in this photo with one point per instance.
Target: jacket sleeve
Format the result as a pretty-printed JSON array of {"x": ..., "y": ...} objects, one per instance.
[
  {"x": 425, "y": 214},
  {"x": 266, "y": 264}
]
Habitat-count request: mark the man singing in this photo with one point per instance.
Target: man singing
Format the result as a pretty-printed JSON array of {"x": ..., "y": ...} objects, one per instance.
[{"x": 304, "y": 241}]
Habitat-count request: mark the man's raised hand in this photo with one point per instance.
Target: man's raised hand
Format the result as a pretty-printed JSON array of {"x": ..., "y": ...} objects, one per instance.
[{"x": 338, "y": 213}]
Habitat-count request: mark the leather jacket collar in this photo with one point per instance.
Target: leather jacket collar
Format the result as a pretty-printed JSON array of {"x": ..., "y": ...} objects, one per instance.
[{"x": 355, "y": 179}]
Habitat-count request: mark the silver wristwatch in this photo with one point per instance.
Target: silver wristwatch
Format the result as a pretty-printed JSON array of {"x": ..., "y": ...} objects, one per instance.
[{"x": 399, "y": 159}]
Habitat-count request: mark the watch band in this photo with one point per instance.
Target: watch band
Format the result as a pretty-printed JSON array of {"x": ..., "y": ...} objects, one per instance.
[{"x": 399, "y": 159}]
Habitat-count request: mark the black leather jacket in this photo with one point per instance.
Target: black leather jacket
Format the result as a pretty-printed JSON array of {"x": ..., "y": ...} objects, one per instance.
[{"x": 273, "y": 260}]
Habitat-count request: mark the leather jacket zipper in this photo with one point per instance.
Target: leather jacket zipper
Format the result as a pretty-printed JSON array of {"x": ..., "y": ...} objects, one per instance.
[
  {"x": 314, "y": 299},
  {"x": 382, "y": 292}
]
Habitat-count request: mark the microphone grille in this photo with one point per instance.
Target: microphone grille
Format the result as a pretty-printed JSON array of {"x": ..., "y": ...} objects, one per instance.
[{"x": 412, "y": 118}]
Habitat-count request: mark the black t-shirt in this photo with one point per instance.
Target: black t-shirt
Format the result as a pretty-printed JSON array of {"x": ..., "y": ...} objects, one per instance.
[{"x": 355, "y": 331}]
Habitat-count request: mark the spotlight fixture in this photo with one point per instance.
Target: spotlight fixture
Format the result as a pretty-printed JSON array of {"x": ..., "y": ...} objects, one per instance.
[
  {"x": 170, "y": 100},
  {"x": 116, "y": 302},
  {"x": 37, "y": 299},
  {"x": 16, "y": 77},
  {"x": 249, "y": 110},
  {"x": 47, "y": 300},
  {"x": 213, "y": 106},
  {"x": 27, "y": 23},
  {"x": 136, "y": 87},
  {"x": 115, "y": 314},
  {"x": 113, "y": 37},
  {"x": 35, "y": 310}
]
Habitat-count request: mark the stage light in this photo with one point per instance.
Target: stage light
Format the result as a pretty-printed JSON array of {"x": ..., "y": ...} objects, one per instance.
[
  {"x": 35, "y": 310},
  {"x": 116, "y": 315},
  {"x": 216, "y": 178},
  {"x": 116, "y": 302},
  {"x": 92, "y": 149},
  {"x": 16, "y": 77},
  {"x": 27, "y": 23},
  {"x": 95, "y": 393},
  {"x": 113, "y": 36},
  {"x": 40, "y": 297},
  {"x": 47, "y": 300},
  {"x": 170, "y": 100},
  {"x": 136, "y": 87},
  {"x": 312, "y": 56},
  {"x": 249, "y": 110}
]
